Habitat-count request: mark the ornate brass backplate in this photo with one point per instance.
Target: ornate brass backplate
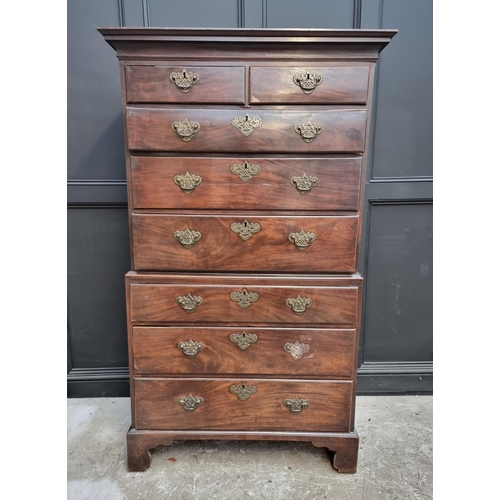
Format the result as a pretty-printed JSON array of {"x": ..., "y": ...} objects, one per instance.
[
  {"x": 184, "y": 80},
  {"x": 189, "y": 302},
  {"x": 243, "y": 391},
  {"x": 245, "y": 229},
  {"x": 307, "y": 81},
  {"x": 296, "y": 405},
  {"x": 246, "y": 125},
  {"x": 185, "y": 130},
  {"x": 244, "y": 298},
  {"x": 243, "y": 340},
  {"x": 190, "y": 403},
  {"x": 245, "y": 171},
  {"x": 309, "y": 131},
  {"x": 299, "y": 304},
  {"x": 187, "y": 182},
  {"x": 302, "y": 240},
  {"x": 190, "y": 348},
  {"x": 297, "y": 349},
  {"x": 304, "y": 183},
  {"x": 188, "y": 237}
]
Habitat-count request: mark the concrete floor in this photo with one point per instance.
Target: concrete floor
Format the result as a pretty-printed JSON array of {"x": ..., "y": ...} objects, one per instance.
[{"x": 395, "y": 459}]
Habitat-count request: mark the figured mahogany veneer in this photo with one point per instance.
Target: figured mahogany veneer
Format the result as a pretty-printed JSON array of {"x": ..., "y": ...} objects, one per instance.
[
  {"x": 221, "y": 249},
  {"x": 246, "y": 164},
  {"x": 150, "y": 129},
  {"x": 341, "y": 84},
  {"x": 152, "y": 84},
  {"x": 261, "y": 351},
  {"x": 337, "y": 184},
  {"x": 330, "y": 305},
  {"x": 158, "y": 408}
]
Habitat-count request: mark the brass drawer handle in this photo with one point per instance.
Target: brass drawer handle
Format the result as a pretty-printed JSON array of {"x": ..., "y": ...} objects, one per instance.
[
  {"x": 245, "y": 229},
  {"x": 189, "y": 302},
  {"x": 185, "y": 130},
  {"x": 299, "y": 304},
  {"x": 296, "y": 405},
  {"x": 297, "y": 349},
  {"x": 307, "y": 81},
  {"x": 244, "y": 298},
  {"x": 245, "y": 171},
  {"x": 187, "y": 182},
  {"x": 309, "y": 131},
  {"x": 190, "y": 348},
  {"x": 184, "y": 80},
  {"x": 243, "y": 340},
  {"x": 243, "y": 391},
  {"x": 188, "y": 237},
  {"x": 302, "y": 240},
  {"x": 246, "y": 125},
  {"x": 304, "y": 184},
  {"x": 190, "y": 403}
]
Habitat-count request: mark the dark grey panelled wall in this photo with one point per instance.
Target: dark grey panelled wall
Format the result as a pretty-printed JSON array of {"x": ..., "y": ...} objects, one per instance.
[{"x": 396, "y": 259}]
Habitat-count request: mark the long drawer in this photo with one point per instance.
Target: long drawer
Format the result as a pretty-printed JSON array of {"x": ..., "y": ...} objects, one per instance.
[
  {"x": 244, "y": 243},
  {"x": 242, "y": 404},
  {"x": 243, "y": 303},
  {"x": 250, "y": 351},
  {"x": 262, "y": 130},
  {"x": 245, "y": 183}
]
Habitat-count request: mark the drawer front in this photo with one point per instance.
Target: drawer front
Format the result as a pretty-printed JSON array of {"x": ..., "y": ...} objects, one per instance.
[
  {"x": 152, "y": 129},
  {"x": 244, "y": 243},
  {"x": 164, "y": 84},
  {"x": 246, "y": 183},
  {"x": 305, "y": 85},
  {"x": 161, "y": 403},
  {"x": 243, "y": 304},
  {"x": 248, "y": 351}
]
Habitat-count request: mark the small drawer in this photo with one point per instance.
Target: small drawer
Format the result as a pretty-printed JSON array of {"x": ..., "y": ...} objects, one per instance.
[
  {"x": 245, "y": 303},
  {"x": 247, "y": 242},
  {"x": 309, "y": 85},
  {"x": 263, "y": 130},
  {"x": 245, "y": 183},
  {"x": 185, "y": 84},
  {"x": 242, "y": 404},
  {"x": 289, "y": 353}
]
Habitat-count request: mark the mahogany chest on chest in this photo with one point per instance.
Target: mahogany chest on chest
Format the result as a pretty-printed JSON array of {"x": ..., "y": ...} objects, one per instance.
[{"x": 246, "y": 158}]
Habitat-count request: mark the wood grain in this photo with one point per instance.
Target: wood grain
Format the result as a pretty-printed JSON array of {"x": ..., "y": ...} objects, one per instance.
[
  {"x": 157, "y": 304},
  {"x": 221, "y": 249},
  {"x": 215, "y": 85},
  {"x": 340, "y": 85},
  {"x": 157, "y": 406},
  {"x": 330, "y": 352},
  {"x": 149, "y": 129},
  {"x": 271, "y": 189}
]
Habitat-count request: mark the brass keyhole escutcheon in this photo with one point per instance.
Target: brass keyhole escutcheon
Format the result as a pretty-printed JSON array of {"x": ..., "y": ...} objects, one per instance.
[
  {"x": 307, "y": 81},
  {"x": 243, "y": 340},
  {"x": 184, "y": 80},
  {"x": 243, "y": 391}
]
